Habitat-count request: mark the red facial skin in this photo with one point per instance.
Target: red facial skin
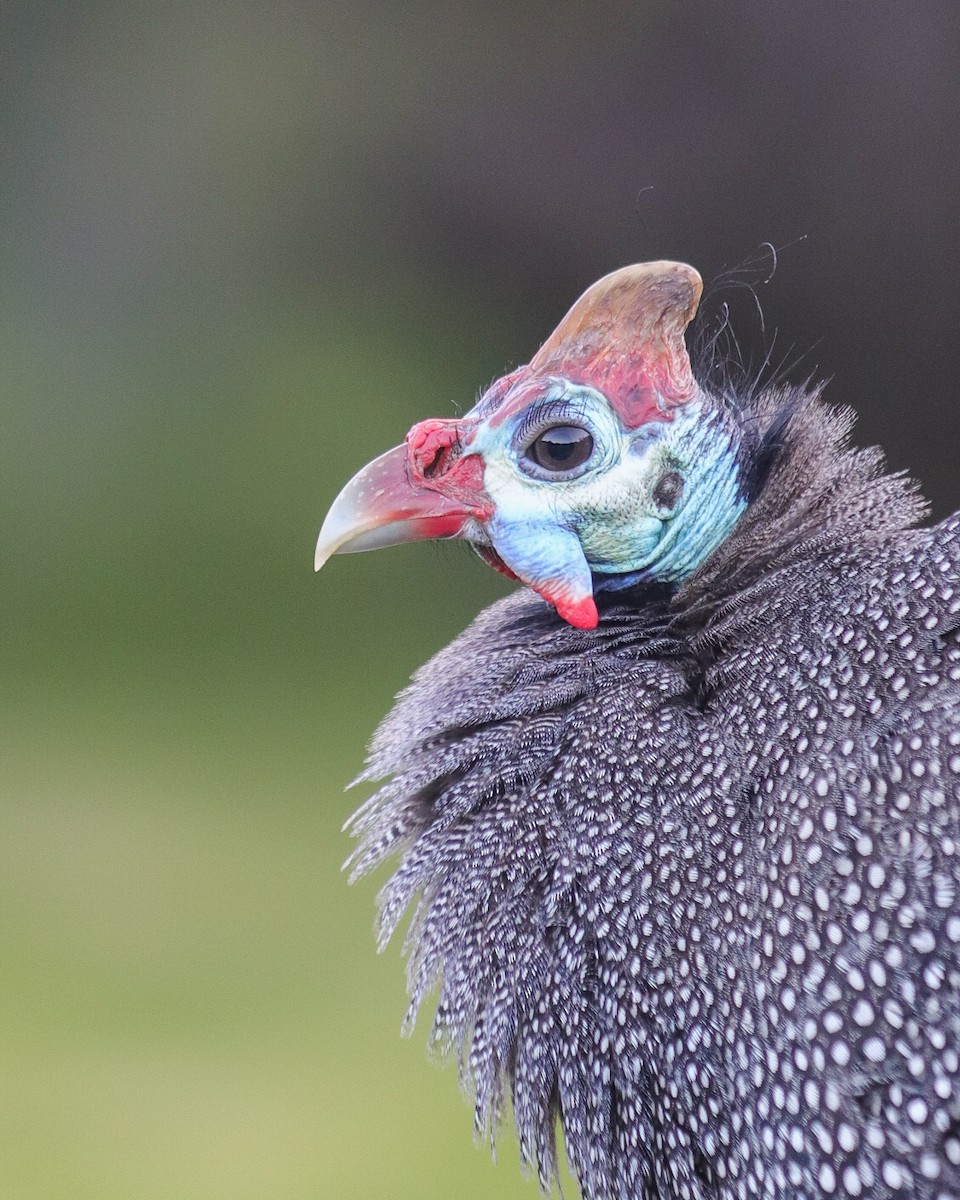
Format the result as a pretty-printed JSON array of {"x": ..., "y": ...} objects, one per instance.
[
  {"x": 636, "y": 397},
  {"x": 435, "y": 461}
]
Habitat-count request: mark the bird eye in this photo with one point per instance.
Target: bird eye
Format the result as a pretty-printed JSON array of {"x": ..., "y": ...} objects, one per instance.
[{"x": 561, "y": 448}]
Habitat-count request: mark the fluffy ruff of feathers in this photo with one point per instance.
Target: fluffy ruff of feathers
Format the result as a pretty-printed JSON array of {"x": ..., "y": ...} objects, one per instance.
[{"x": 601, "y": 837}]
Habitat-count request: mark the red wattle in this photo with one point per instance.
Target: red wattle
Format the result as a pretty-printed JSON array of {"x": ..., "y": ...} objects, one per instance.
[{"x": 581, "y": 614}]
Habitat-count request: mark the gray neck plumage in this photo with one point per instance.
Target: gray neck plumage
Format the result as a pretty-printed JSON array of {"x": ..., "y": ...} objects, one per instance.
[{"x": 505, "y": 761}]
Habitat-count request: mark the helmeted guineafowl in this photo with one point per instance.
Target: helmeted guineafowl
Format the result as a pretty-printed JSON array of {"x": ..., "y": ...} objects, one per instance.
[{"x": 681, "y": 833}]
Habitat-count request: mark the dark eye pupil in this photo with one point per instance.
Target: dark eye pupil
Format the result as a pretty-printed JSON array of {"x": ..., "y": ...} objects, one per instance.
[{"x": 561, "y": 448}]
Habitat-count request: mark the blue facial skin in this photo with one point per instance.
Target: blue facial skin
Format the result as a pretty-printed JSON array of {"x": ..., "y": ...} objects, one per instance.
[{"x": 647, "y": 504}]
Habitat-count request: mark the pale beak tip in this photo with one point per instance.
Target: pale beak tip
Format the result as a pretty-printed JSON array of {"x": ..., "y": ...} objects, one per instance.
[{"x": 324, "y": 551}]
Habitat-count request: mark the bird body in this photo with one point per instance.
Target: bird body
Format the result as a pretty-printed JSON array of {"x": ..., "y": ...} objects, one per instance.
[{"x": 688, "y": 873}]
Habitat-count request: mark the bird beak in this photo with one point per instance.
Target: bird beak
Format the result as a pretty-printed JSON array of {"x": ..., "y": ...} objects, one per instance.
[{"x": 389, "y": 502}]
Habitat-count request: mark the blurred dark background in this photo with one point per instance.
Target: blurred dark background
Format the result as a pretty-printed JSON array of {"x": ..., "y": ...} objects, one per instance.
[{"x": 244, "y": 247}]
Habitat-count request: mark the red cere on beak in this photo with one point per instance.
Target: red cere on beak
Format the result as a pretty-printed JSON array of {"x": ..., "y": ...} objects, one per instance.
[{"x": 437, "y": 461}]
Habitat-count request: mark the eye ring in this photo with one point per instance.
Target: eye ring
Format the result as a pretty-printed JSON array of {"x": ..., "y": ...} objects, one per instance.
[{"x": 560, "y": 449}]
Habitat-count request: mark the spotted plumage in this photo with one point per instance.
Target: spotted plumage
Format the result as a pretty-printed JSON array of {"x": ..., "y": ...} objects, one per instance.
[{"x": 688, "y": 879}]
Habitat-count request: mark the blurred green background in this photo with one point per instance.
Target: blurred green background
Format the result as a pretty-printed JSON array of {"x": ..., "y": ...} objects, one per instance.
[{"x": 244, "y": 248}]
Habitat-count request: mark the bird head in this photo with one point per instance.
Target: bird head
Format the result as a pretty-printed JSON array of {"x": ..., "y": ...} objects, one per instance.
[{"x": 598, "y": 465}]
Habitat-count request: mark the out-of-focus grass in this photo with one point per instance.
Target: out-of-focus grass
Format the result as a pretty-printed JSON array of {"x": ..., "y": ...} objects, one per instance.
[{"x": 191, "y": 1004}]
